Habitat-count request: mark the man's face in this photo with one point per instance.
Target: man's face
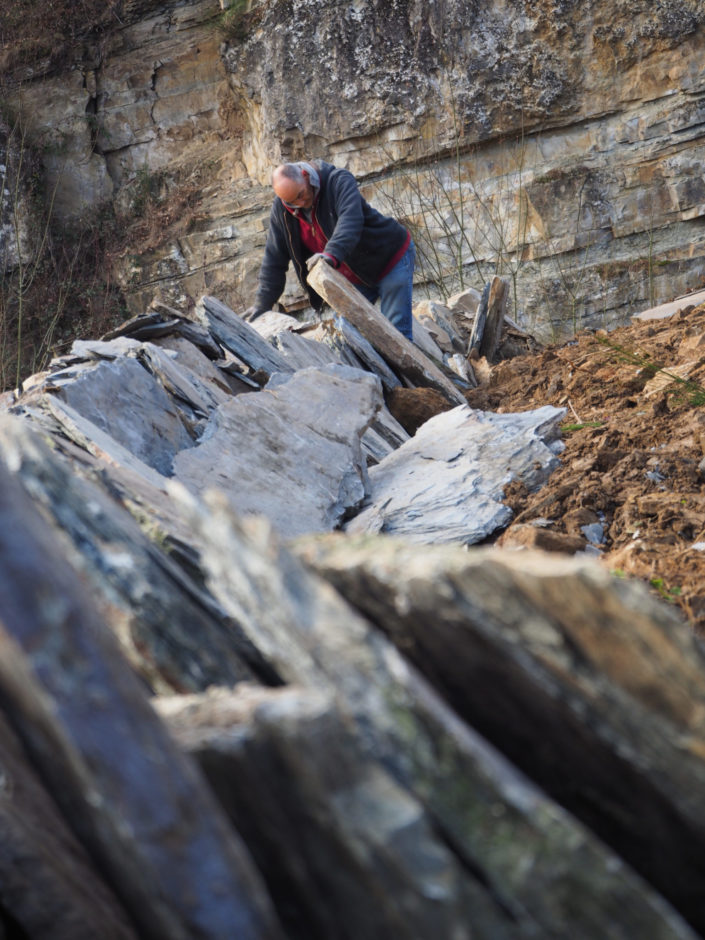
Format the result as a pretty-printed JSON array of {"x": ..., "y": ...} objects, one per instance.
[{"x": 292, "y": 194}]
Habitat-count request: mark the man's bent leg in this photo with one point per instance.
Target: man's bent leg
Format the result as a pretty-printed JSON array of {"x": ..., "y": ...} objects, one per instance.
[{"x": 395, "y": 293}]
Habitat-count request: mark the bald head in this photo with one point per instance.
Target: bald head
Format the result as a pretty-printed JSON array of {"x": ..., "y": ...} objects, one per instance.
[{"x": 291, "y": 183}]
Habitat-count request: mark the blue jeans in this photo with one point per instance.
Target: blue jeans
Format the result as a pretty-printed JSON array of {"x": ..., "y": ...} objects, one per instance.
[{"x": 394, "y": 292}]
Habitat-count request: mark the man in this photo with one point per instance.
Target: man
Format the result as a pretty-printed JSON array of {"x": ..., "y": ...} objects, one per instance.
[{"x": 318, "y": 212}]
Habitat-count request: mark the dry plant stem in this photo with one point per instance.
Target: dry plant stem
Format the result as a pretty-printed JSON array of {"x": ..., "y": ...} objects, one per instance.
[
  {"x": 572, "y": 285},
  {"x": 26, "y": 272},
  {"x": 43, "y": 276},
  {"x": 575, "y": 413}
]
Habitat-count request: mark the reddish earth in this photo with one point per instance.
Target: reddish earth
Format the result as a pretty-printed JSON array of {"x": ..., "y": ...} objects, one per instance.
[{"x": 635, "y": 437}]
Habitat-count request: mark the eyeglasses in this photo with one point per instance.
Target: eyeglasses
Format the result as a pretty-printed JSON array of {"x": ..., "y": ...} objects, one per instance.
[{"x": 302, "y": 194}]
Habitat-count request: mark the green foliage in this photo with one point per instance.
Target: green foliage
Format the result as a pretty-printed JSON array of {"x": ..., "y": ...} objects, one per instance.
[
  {"x": 668, "y": 594},
  {"x": 566, "y": 428},
  {"x": 237, "y": 22},
  {"x": 687, "y": 390}
]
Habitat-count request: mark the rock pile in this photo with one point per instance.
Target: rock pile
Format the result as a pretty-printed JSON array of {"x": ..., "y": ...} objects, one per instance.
[{"x": 226, "y": 712}]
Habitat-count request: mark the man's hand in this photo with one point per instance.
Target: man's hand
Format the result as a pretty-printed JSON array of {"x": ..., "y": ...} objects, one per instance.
[
  {"x": 252, "y": 313},
  {"x": 329, "y": 259}
]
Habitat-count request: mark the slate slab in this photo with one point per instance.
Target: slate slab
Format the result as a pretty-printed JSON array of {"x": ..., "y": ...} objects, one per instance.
[
  {"x": 592, "y": 686},
  {"x": 346, "y": 852},
  {"x": 446, "y": 483},
  {"x": 240, "y": 337},
  {"x": 130, "y": 405},
  {"x": 138, "y": 805},
  {"x": 406, "y": 358},
  {"x": 169, "y": 628},
  {"x": 50, "y": 886},
  {"x": 540, "y": 865},
  {"x": 291, "y": 452}
]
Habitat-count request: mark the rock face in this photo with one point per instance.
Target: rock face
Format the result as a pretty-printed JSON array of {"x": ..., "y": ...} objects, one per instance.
[
  {"x": 20, "y": 227},
  {"x": 559, "y": 143}
]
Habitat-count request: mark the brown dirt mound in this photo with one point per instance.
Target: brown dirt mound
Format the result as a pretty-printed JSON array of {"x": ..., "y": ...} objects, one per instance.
[{"x": 635, "y": 436}]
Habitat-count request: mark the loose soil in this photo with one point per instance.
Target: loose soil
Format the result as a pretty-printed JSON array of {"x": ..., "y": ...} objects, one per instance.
[{"x": 630, "y": 477}]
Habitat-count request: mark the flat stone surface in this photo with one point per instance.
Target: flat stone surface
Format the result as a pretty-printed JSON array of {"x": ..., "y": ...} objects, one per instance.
[
  {"x": 291, "y": 452},
  {"x": 446, "y": 483},
  {"x": 130, "y": 405},
  {"x": 667, "y": 310}
]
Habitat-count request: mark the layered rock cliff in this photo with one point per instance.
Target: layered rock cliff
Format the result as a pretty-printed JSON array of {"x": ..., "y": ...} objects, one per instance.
[{"x": 557, "y": 142}]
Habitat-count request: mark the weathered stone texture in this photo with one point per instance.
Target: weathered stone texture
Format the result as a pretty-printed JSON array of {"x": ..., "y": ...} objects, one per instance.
[
  {"x": 565, "y": 118},
  {"x": 292, "y": 452},
  {"x": 127, "y": 792},
  {"x": 578, "y": 131},
  {"x": 385, "y": 711},
  {"x": 624, "y": 713},
  {"x": 446, "y": 483}
]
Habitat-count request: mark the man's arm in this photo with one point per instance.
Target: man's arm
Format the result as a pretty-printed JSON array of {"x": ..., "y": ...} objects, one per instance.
[
  {"x": 347, "y": 205},
  {"x": 272, "y": 272}
]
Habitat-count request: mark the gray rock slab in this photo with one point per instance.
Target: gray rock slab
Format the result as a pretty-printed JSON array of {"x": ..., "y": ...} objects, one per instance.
[
  {"x": 183, "y": 383},
  {"x": 62, "y": 370},
  {"x": 191, "y": 384},
  {"x": 138, "y": 805},
  {"x": 191, "y": 357},
  {"x": 426, "y": 342},
  {"x": 271, "y": 323},
  {"x": 587, "y": 682},
  {"x": 345, "y": 851},
  {"x": 356, "y": 350},
  {"x": 130, "y": 405},
  {"x": 437, "y": 320},
  {"x": 663, "y": 311},
  {"x": 95, "y": 455},
  {"x": 171, "y": 631},
  {"x": 446, "y": 483},
  {"x": 383, "y": 436},
  {"x": 554, "y": 876},
  {"x": 385, "y": 433},
  {"x": 595, "y": 532},
  {"x": 240, "y": 337},
  {"x": 96, "y": 441},
  {"x": 104, "y": 349},
  {"x": 50, "y": 886},
  {"x": 302, "y": 353},
  {"x": 408, "y": 360},
  {"x": 291, "y": 452},
  {"x": 166, "y": 322}
]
